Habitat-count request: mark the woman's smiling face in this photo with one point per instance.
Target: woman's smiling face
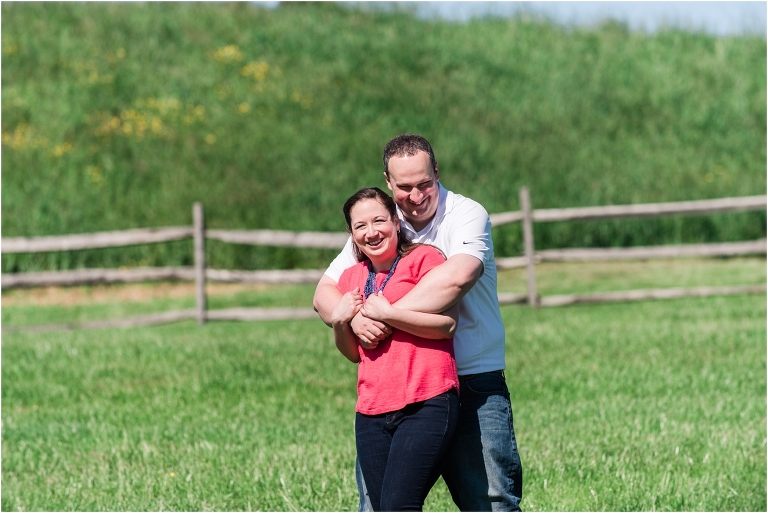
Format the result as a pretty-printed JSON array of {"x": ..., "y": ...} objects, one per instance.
[{"x": 374, "y": 231}]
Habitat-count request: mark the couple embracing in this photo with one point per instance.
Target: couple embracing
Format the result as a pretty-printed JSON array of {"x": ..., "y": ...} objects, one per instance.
[{"x": 412, "y": 300}]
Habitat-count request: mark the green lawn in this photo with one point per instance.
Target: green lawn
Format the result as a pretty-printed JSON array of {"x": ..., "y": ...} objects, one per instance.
[{"x": 657, "y": 405}]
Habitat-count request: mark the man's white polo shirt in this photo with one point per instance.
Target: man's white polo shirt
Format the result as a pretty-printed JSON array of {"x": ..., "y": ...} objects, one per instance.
[{"x": 460, "y": 226}]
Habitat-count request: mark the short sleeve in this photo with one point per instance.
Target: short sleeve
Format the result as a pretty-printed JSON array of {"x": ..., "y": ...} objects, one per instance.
[
  {"x": 344, "y": 260},
  {"x": 343, "y": 281},
  {"x": 425, "y": 259},
  {"x": 351, "y": 277},
  {"x": 470, "y": 232}
]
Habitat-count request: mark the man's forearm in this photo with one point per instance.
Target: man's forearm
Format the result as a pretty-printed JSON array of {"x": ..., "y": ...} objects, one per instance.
[
  {"x": 327, "y": 296},
  {"x": 433, "y": 326},
  {"x": 443, "y": 286}
]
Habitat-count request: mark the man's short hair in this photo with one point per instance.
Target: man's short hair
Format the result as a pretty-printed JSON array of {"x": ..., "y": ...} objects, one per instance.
[{"x": 407, "y": 145}]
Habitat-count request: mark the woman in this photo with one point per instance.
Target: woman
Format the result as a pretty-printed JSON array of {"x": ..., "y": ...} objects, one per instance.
[{"x": 408, "y": 405}]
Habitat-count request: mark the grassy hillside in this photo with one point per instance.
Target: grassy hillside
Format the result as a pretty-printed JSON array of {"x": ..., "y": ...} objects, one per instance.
[{"x": 121, "y": 115}]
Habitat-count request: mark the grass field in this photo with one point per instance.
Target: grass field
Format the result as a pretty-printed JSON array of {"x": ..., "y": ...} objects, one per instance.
[{"x": 637, "y": 406}]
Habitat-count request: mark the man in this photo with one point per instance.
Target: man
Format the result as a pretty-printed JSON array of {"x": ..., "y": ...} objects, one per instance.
[{"x": 483, "y": 471}]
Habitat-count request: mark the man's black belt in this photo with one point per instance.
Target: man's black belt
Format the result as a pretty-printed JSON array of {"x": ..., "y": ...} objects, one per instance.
[{"x": 468, "y": 376}]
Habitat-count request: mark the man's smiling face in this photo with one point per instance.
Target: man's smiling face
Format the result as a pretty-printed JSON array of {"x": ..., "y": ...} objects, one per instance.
[{"x": 413, "y": 183}]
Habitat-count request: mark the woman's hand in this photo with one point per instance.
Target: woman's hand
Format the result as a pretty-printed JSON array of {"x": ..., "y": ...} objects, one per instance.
[
  {"x": 377, "y": 307},
  {"x": 348, "y": 306}
]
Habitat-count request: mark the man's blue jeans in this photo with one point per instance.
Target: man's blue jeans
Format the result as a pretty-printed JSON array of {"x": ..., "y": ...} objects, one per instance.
[
  {"x": 483, "y": 470},
  {"x": 402, "y": 453}
]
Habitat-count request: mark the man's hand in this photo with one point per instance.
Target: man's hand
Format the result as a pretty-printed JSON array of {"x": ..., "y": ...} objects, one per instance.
[{"x": 369, "y": 332}]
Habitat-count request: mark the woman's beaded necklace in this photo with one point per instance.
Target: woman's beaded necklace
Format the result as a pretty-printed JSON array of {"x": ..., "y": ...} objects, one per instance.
[{"x": 370, "y": 283}]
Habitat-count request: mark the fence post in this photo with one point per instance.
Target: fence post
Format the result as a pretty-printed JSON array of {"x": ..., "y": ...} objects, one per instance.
[
  {"x": 199, "y": 238},
  {"x": 525, "y": 206}
]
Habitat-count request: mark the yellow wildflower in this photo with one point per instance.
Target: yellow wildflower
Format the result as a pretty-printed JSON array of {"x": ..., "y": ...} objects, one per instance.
[
  {"x": 94, "y": 173},
  {"x": 229, "y": 53},
  {"x": 62, "y": 148},
  {"x": 23, "y": 136},
  {"x": 257, "y": 69}
]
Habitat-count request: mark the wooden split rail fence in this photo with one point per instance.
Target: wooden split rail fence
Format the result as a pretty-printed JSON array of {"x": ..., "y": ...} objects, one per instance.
[{"x": 527, "y": 216}]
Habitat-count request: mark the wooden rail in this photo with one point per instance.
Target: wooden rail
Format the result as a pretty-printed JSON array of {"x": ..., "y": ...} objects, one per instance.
[
  {"x": 94, "y": 276},
  {"x": 95, "y": 240},
  {"x": 336, "y": 240},
  {"x": 699, "y": 207},
  {"x": 722, "y": 249},
  {"x": 97, "y": 276},
  {"x": 99, "y": 240},
  {"x": 329, "y": 240}
]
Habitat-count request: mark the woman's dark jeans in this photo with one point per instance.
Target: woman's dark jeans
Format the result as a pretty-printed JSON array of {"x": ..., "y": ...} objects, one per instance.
[{"x": 402, "y": 452}]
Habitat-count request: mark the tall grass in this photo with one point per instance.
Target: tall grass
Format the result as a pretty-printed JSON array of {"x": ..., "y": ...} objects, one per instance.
[{"x": 120, "y": 115}]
